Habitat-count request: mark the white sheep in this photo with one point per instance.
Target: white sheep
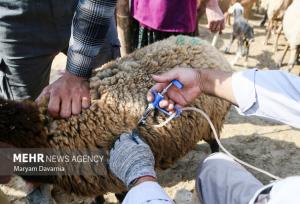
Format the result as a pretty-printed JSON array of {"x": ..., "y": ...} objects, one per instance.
[
  {"x": 291, "y": 29},
  {"x": 275, "y": 12}
]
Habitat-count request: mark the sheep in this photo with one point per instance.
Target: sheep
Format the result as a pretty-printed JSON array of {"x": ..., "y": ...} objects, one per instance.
[
  {"x": 291, "y": 29},
  {"x": 242, "y": 31},
  {"x": 275, "y": 12},
  {"x": 247, "y": 5},
  {"x": 118, "y": 91}
]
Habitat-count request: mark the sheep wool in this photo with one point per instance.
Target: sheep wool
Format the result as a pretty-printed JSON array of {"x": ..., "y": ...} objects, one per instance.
[{"x": 118, "y": 91}]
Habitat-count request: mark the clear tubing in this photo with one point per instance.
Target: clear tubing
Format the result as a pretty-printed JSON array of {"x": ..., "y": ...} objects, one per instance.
[{"x": 218, "y": 140}]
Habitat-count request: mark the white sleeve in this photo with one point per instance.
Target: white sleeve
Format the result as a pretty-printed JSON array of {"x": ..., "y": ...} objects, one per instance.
[
  {"x": 271, "y": 94},
  {"x": 149, "y": 193}
]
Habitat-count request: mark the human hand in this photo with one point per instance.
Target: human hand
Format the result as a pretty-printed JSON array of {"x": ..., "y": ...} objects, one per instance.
[
  {"x": 215, "y": 16},
  {"x": 68, "y": 95},
  {"x": 131, "y": 158},
  {"x": 192, "y": 87}
]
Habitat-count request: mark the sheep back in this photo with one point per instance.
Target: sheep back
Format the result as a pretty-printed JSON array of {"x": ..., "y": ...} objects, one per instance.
[{"x": 118, "y": 92}]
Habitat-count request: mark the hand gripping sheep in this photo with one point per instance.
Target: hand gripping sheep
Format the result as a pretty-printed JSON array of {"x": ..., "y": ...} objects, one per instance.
[{"x": 118, "y": 91}]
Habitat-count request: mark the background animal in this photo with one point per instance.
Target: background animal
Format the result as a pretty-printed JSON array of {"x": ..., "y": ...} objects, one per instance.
[
  {"x": 291, "y": 29},
  {"x": 247, "y": 5},
  {"x": 275, "y": 13},
  {"x": 118, "y": 91},
  {"x": 242, "y": 31}
]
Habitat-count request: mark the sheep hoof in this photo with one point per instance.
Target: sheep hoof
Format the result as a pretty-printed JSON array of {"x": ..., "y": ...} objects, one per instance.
[
  {"x": 99, "y": 200},
  {"x": 290, "y": 67},
  {"x": 278, "y": 65},
  {"x": 226, "y": 51},
  {"x": 120, "y": 196}
]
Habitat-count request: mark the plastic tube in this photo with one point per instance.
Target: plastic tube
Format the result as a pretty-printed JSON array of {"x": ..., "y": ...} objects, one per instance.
[{"x": 218, "y": 140}]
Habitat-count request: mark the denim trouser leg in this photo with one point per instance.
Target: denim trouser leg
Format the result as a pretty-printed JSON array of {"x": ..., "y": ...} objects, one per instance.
[
  {"x": 221, "y": 180},
  {"x": 32, "y": 33}
]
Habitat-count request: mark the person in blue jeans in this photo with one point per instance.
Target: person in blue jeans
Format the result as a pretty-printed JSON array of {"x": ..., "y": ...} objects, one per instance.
[
  {"x": 220, "y": 179},
  {"x": 33, "y": 32}
]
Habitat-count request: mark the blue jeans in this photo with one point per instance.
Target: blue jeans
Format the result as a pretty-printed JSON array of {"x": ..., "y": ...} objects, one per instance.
[{"x": 32, "y": 33}]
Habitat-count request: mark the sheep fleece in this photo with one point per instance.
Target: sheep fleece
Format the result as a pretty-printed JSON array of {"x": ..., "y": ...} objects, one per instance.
[{"x": 118, "y": 92}]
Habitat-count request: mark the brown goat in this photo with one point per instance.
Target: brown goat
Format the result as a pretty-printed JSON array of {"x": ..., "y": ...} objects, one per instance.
[{"x": 118, "y": 91}]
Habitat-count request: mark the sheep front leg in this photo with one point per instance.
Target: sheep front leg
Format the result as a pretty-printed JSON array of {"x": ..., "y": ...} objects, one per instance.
[
  {"x": 239, "y": 52},
  {"x": 264, "y": 20},
  {"x": 121, "y": 196},
  {"x": 227, "y": 49},
  {"x": 214, "y": 146},
  {"x": 293, "y": 58},
  {"x": 279, "y": 64},
  {"x": 227, "y": 18},
  {"x": 269, "y": 31},
  {"x": 99, "y": 200},
  {"x": 277, "y": 38},
  {"x": 247, "y": 54}
]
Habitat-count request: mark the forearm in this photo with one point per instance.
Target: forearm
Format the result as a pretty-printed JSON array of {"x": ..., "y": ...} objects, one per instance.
[
  {"x": 217, "y": 83},
  {"x": 271, "y": 94},
  {"x": 147, "y": 191},
  {"x": 90, "y": 26}
]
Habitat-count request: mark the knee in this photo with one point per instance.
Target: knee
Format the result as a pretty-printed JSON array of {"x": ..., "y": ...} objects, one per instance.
[
  {"x": 212, "y": 170},
  {"x": 213, "y": 161}
]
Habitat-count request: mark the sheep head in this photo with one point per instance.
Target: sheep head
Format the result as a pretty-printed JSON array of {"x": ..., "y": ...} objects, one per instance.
[{"x": 21, "y": 121}]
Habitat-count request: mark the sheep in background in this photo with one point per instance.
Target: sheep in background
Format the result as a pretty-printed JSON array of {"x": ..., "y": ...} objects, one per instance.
[
  {"x": 291, "y": 29},
  {"x": 242, "y": 31},
  {"x": 118, "y": 92},
  {"x": 247, "y": 5},
  {"x": 275, "y": 12}
]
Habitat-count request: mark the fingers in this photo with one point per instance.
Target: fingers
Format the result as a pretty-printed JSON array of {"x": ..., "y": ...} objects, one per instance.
[
  {"x": 76, "y": 105},
  {"x": 124, "y": 136},
  {"x": 216, "y": 26},
  {"x": 66, "y": 107},
  {"x": 150, "y": 97},
  {"x": 166, "y": 77},
  {"x": 85, "y": 102},
  {"x": 158, "y": 88},
  {"x": 54, "y": 105},
  {"x": 167, "y": 104},
  {"x": 222, "y": 25},
  {"x": 212, "y": 26}
]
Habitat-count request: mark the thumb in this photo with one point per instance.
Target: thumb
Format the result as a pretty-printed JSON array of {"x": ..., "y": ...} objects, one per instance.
[{"x": 166, "y": 77}]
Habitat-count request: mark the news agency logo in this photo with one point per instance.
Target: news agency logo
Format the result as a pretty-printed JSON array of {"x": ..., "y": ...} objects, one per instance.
[
  {"x": 47, "y": 161},
  {"x": 28, "y": 158},
  {"x": 42, "y": 158}
]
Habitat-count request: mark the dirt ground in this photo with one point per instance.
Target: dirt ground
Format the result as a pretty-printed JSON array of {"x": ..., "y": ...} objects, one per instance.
[{"x": 268, "y": 145}]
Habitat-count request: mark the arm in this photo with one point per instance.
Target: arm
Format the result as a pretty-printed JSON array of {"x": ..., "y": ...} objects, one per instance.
[
  {"x": 270, "y": 94},
  {"x": 215, "y": 16},
  {"x": 132, "y": 161},
  {"x": 70, "y": 92},
  {"x": 147, "y": 192}
]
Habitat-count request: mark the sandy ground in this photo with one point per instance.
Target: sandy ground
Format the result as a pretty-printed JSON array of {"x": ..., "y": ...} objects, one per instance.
[{"x": 268, "y": 145}]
